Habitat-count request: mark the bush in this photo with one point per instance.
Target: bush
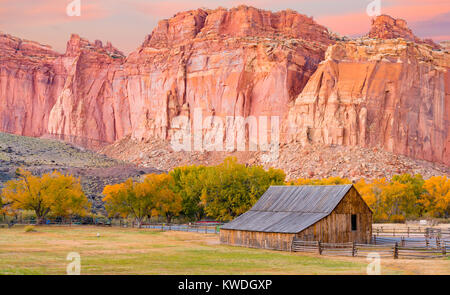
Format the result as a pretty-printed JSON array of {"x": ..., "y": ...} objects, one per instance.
[
  {"x": 397, "y": 219},
  {"x": 29, "y": 228}
]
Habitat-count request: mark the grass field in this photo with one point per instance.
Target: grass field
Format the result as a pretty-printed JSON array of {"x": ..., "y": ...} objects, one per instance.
[{"x": 132, "y": 251}]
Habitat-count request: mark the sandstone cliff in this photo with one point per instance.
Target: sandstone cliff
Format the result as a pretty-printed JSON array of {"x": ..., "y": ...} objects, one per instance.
[
  {"x": 389, "y": 89},
  {"x": 389, "y": 93},
  {"x": 31, "y": 78}
]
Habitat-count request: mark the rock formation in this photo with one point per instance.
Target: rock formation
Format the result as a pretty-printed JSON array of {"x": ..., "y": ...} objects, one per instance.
[
  {"x": 238, "y": 62},
  {"x": 389, "y": 93},
  {"x": 31, "y": 78},
  {"x": 387, "y": 27}
]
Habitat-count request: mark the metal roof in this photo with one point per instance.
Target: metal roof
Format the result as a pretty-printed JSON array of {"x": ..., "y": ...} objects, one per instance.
[{"x": 290, "y": 209}]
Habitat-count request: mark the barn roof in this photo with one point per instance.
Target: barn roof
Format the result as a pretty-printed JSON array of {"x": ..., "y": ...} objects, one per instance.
[{"x": 290, "y": 209}]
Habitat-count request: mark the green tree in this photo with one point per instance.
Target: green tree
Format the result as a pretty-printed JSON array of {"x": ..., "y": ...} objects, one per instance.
[
  {"x": 413, "y": 190},
  {"x": 189, "y": 183},
  {"x": 231, "y": 188}
]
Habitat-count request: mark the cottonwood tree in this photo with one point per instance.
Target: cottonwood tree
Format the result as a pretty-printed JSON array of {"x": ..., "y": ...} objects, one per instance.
[
  {"x": 231, "y": 189},
  {"x": 436, "y": 198},
  {"x": 130, "y": 199},
  {"x": 188, "y": 182},
  {"x": 167, "y": 202},
  {"x": 50, "y": 193}
]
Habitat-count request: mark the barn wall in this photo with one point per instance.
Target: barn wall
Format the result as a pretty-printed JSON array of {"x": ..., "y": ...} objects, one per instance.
[
  {"x": 274, "y": 241},
  {"x": 337, "y": 227}
]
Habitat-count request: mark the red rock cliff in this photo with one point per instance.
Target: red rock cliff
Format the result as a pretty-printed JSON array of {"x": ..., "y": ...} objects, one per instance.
[
  {"x": 389, "y": 93},
  {"x": 31, "y": 78},
  {"x": 238, "y": 62}
]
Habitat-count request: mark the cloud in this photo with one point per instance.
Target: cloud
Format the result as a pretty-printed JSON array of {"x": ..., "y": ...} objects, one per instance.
[
  {"x": 424, "y": 17},
  {"x": 49, "y": 12}
]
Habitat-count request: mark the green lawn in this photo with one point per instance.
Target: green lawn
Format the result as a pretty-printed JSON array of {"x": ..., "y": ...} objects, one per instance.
[{"x": 132, "y": 251}]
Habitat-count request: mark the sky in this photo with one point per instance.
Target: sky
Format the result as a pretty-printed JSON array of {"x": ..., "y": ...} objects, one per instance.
[{"x": 126, "y": 22}]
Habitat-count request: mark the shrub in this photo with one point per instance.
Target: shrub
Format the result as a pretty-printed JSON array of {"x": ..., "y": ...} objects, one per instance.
[
  {"x": 397, "y": 219},
  {"x": 29, "y": 228}
]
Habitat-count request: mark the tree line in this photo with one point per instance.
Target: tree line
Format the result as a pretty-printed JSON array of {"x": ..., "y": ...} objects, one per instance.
[
  {"x": 219, "y": 192},
  {"x": 404, "y": 197}
]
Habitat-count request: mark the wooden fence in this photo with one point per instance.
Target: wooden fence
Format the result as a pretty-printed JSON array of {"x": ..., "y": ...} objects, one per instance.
[
  {"x": 386, "y": 250},
  {"x": 407, "y": 231}
]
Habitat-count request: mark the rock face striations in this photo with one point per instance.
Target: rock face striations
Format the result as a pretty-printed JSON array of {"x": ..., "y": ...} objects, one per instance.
[
  {"x": 238, "y": 62},
  {"x": 389, "y": 93},
  {"x": 380, "y": 90}
]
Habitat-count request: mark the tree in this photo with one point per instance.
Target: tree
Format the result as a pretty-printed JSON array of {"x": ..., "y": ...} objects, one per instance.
[
  {"x": 436, "y": 198},
  {"x": 52, "y": 192},
  {"x": 167, "y": 202},
  {"x": 324, "y": 181},
  {"x": 231, "y": 189},
  {"x": 188, "y": 182},
  {"x": 371, "y": 194},
  {"x": 413, "y": 190},
  {"x": 130, "y": 198},
  {"x": 69, "y": 201}
]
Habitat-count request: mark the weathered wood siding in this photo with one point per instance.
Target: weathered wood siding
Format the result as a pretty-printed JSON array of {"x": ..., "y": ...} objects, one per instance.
[
  {"x": 274, "y": 241},
  {"x": 337, "y": 227}
]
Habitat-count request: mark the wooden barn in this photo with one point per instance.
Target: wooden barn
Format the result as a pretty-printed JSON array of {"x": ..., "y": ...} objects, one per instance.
[{"x": 331, "y": 214}]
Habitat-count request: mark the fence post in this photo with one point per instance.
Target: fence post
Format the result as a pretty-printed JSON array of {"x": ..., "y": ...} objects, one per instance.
[
  {"x": 354, "y": 249},
  {"x": 427, "y": 242},
  {"x": 394, "y": 231},
  {"x": 396, "y": 250},
  {"x": 438, "y": 243},
  {"x": 444, "y": 250},
  {"x": 408, "y": 231},
  {"x": 403, "y": 242},
  {"x": 375, "y": 240},
  {"x": 319, "y": 246}
]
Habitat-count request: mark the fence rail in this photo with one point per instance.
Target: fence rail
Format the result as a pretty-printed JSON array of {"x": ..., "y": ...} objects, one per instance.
[
  {"x": 393, "y": 250},
  {"x": 204, "y": 228},
  {"x": 409, "y": 231}
]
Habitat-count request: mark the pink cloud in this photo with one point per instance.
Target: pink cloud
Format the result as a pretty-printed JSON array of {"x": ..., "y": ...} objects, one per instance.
[
  {"x": 441, "y": 38},
  {"x": 359, "y": 23},
  {"x": 166, "y": 9},
  {"x": 49, "y": 12}
]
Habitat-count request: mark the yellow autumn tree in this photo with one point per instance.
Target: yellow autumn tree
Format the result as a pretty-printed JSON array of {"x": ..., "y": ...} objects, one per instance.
[
  {"x": 50, "y": 193},
  {"x": 436, "y": 199},
  {"x": 167, "y": 203},
  {"x": 130, "y": 199},
  {"x": 69, "y": 199},
  {"x": 334, "y": 180},
  {"x": 371, "y": 192}
]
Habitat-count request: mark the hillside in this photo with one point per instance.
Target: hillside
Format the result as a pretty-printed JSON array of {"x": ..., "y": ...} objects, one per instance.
[
  {"x": 45, "y": 155},
  {"x": 297, "y": 160}
]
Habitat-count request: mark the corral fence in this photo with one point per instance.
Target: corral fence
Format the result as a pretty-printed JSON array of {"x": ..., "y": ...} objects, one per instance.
[
  {"x": 204, "y": 228},
  {"x": 194, "y": 227},
  {"x": 411, "y": 231},
  {"x": 388, "y": 249}
]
